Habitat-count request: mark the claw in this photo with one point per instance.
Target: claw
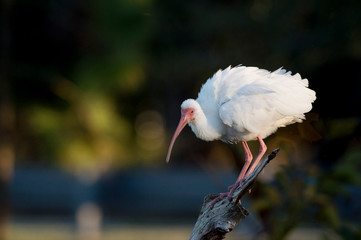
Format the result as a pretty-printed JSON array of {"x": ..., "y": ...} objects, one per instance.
[
  {"x": 228, "y": 194},
  {"x": 219, "y": 198}
]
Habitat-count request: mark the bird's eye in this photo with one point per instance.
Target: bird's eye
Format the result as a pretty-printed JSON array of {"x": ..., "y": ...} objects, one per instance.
[{"x": 192, "y": 111}]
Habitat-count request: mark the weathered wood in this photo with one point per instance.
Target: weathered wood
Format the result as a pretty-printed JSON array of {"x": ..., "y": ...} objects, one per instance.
[{"x": 215, "y": 222}]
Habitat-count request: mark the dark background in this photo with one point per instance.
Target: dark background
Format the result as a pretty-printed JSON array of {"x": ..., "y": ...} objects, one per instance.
[{"x": 90, "y": 92}]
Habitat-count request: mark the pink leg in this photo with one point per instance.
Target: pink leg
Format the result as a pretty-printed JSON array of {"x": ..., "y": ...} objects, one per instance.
[
  {"x": 262, "y": 150},
  {"x": 245, "y": 172},
  {"x": 247, "y": 161}
]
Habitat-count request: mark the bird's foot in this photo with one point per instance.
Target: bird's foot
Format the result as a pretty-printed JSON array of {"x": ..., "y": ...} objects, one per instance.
[
  {"x": 228, "y": 194},
  {"x": 220, "y": 197},
  {"x": 232, "y": 188}
]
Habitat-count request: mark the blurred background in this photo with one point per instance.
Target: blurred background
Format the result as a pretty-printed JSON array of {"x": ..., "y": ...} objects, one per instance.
[{"x": 90, "y": 95}]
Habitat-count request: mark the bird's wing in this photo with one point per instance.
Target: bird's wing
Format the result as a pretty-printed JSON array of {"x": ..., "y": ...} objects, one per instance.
[
  {"x": 271, "y": 101},
  {"x": 250, "y": 109}
]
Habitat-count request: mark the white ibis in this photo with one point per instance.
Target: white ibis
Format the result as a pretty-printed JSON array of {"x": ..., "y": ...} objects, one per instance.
[{"x": 241, "y": 104}]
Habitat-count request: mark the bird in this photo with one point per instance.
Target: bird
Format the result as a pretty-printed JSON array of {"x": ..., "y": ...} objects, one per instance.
[{"x": 242, "y": 104}]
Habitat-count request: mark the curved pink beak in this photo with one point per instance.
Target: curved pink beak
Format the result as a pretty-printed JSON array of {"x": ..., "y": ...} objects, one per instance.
[{"x": 185, "y": 119}]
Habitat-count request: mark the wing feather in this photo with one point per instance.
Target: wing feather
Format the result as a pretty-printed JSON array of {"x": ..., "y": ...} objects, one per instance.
[
  {"x": 265, "y": 101},
  {"x": 253, "y": 100}
]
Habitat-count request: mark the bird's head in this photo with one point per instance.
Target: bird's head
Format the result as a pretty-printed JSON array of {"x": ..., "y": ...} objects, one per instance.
[{"x": 188, "y": 113}]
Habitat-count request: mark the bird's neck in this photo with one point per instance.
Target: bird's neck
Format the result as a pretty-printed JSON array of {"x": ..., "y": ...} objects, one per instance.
[{"x": 206, "y": 126}]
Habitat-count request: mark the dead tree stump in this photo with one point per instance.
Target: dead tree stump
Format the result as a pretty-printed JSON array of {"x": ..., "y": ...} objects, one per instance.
[{"x": 215, "y": 222}]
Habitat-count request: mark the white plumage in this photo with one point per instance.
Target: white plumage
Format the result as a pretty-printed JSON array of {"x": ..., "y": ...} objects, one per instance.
[{"x": 243, "y": 104}]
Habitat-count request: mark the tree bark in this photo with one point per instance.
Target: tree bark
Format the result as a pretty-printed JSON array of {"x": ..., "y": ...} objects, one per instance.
[{"x": 215, "y": 222}]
